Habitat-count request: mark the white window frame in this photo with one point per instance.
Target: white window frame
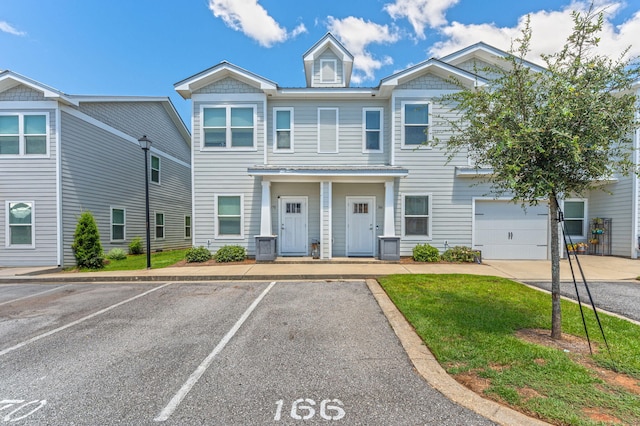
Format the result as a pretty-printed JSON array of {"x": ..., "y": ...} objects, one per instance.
[
  {"x": 335, "y": 71},
  {"x": 22, "y": 143},
  {"x": 189, "y": 227},
  {"x": 156, "y": 226},
  {"x": 365, "y": 130},
  {"x": 275, "y": 129},
  {"x": 218, "y": 236},
  {"x": 151, "y": 169},
  {"x": 585, "y": 212},
  {"x": 335, "y": 151},
  {"x": 403, "y": 125},
  {"x": 428, "y": 237},
  {"x": 7, "y": 239},
  {"x": 124, "y": 225},
  {"x": 228, "y": 108}
]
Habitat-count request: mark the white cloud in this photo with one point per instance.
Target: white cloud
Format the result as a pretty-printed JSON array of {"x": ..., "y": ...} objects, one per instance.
[
  {"x": 550, "y": 30},
  {"x": 420, "y": 13},
  {"x": 253, "y": 20},
  {"x": 8, "y": 28},
  {"x": 356, "y": 34}
]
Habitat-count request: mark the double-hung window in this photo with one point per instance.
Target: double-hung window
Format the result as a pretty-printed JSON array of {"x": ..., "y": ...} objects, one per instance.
[
  {"x": 574, "y": 218},
  {"x": 20, "y": 224},
  {"x": 415, "y": 123},
  {"x": 372, "y": 129},
  {"x": 283, "y": 129},
  {"x": 229, "y": 127},
  {"x": 118, "y": 224},
  {"x": 155, "y": 169},
  {"x": 187, "y": 226},
  {"x": 229, "y": 216},
  {"x": 159, "y": 226},
  {"x": 23, "y": 134},
  {"x": 416, "y": 212}
]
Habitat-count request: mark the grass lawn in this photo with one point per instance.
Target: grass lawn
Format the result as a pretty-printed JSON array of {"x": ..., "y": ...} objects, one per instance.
[
  {"x": 139, "y": 261},
  {"x": 470, "y": 323}
]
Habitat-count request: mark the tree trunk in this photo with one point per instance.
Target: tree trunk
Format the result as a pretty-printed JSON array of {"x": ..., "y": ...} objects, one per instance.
[{"x": 556, "y": 311}]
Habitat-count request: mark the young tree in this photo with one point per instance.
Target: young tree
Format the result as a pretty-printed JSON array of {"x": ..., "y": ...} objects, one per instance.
[
  {"x": 86, "y": 243},
  {"x": 547, "y": 134}
]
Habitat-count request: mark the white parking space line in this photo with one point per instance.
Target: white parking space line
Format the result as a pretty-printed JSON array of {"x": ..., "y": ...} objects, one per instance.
[
  {"x": 195, "y": 376},
  {"x": 78, "y": 321},
  {"x": 33, "y": 295}
]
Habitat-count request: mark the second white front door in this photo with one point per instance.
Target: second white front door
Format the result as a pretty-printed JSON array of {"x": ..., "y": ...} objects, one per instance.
[
  {"x": 361, "y": 223},
  {"x": 293, "y": 226}
]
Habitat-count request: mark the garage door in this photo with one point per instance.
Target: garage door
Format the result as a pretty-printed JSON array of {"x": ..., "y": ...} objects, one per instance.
[{"x": 503, "y": 230}]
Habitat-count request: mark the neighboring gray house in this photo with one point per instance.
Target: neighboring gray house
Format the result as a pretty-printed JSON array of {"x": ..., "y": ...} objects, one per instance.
[
  {"x": 277, "y": 169},
  {"x": 63, "y": 154}
]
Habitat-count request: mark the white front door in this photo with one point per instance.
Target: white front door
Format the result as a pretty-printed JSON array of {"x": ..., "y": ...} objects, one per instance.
[
  {"x": 361, "y": 222},
  {"x": 293, "y": 226}
]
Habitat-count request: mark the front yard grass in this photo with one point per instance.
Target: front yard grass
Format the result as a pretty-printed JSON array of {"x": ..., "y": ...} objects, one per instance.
[
  {"x": 139, "y": 261},
  {"x": 470, "y": 324}
]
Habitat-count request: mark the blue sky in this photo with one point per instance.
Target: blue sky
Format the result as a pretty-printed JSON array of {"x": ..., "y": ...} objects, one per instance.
[{"x": 143, "y": 47}]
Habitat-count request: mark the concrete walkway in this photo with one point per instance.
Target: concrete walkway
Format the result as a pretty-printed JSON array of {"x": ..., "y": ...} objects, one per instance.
[{"x": 596, "y": 268}]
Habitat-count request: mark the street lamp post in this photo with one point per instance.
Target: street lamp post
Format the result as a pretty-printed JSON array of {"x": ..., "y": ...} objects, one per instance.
[{"x": 145, "y": 144}]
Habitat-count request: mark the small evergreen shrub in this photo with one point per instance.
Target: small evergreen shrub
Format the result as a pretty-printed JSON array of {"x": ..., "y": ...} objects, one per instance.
[
  {"x": 461, "y": 254},
  {"x": 86, "y": 243},
  {"x": 230, "y": 254},
  {"x": 198, "y": 254},
  {"x": 116, "y": 254},
  {"x": 425, "y": 253},
  {"x": 135, "y": 246}
]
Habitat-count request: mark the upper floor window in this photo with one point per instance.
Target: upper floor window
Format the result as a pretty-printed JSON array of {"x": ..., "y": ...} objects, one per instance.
[
  {"x": 283, "y": 129},
  {"x": 155, "y": 169},
  {"x": 574, "y": 218},
  {"x": 19, "y": 224},
  {"x": 229, "y": 127},
  {"x": 415, "y": 123},
  {"x": 328, "y": 71},
  {"x": 328, "y": 130},
  {"x": 118, "y": 224},
  {"x": 372, "y": 129},
  {"x": 23, "y": 134}
]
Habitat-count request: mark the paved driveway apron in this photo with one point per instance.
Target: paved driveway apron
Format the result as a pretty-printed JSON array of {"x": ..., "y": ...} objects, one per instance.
[{"x": 209, "y": 353}]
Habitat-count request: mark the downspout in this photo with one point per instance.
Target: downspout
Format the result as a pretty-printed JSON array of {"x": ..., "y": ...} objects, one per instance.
[
  {"x": 193, "y": 177},
  {"x": 392, "y": 159},
  {"x": 635, "y": 240},
  {"x": 59, "y": 237}
]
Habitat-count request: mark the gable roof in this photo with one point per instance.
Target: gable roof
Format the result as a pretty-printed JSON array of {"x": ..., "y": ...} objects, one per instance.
[
  {"x": 10, "y": 79},
  {"x": 224, "y": 69},
  {"x": 328, "y": 42},
  {"x": 484, "y": 52}
]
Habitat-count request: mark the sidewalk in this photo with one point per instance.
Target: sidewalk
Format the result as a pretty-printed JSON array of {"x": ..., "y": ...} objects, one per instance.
[{"x": 596, "y": 268}]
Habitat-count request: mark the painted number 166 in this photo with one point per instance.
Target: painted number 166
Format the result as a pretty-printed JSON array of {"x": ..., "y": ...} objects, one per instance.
[{"x": 303, "y": 409}]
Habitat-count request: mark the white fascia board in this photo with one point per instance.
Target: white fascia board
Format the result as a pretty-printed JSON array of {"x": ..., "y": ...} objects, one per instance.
[
  {"x": 186, "y": 87},
  {"x": 329, "y": 93},
  {"x": 11, "y": 79}
]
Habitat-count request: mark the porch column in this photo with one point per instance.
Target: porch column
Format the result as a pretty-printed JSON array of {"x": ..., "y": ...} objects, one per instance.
[
  {"x": 389, "y": 216},
  {"x": 265, "y": 210}
]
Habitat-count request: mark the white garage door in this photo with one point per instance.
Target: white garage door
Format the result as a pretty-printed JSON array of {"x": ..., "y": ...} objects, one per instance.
[{"x": 504, "y": 230}]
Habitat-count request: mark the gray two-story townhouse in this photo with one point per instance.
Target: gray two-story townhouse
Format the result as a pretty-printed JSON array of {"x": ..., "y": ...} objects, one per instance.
[
  {"x": 64, "y": 154},
  {"x": 283, "y": 171}
]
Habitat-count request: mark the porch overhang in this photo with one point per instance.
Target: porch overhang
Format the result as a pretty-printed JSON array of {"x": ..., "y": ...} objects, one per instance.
[{"x": 317, "y": 173}]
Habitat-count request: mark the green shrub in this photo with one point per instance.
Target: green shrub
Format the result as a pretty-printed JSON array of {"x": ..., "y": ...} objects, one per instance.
[
  {"x": 135, "y": 246},
  {"x": 86, "y": 243},
  {"x": 198, "y": 254},
  {"x": 461, "y": 254},
  {"x": 231, "y": 254},
  {"x": 116, "y": 254},
  {"x": 425, "y": 253}
]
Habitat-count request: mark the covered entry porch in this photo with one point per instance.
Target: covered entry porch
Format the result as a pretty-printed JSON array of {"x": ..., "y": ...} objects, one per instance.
[{"x": 347, "y": 211}]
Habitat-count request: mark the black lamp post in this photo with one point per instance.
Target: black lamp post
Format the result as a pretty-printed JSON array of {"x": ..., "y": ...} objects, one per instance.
[{"x": 145, "y": 144}]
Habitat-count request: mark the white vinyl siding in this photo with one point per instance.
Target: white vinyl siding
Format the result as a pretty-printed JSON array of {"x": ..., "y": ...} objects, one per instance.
[
  {"x": 20, "y": 224},
  {"x": 328, "y": 71},
  {"x": 328, "y": 130},
  {"x": 415, "y": 123},
  {"x": 160, "y": 225},
  {"x": 416, "y": 216},
  {"x": 372, "y": 129},
  {"x": 283, "y": 129},
  {"x": 118, "y": 224},
  {"x": 155, "y": 169},
  {"x": 229, "y": 127},
  {"x": 575, "y": 213},
  {"x": 229, "y": 216},
  {"x": 24, "y": 134}
]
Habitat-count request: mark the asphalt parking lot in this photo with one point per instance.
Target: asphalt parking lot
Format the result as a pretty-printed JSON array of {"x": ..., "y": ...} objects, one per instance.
[{"x": 184, "y": 353}]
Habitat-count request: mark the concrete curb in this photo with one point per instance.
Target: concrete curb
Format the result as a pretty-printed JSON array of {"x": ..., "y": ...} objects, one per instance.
[
  {"x": 159, "y": 278},
  {"x": 429, "y": 368}
]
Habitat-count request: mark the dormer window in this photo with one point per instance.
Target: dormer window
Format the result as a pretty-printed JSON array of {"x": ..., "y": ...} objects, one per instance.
[{"x": 328, "y": 71}]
